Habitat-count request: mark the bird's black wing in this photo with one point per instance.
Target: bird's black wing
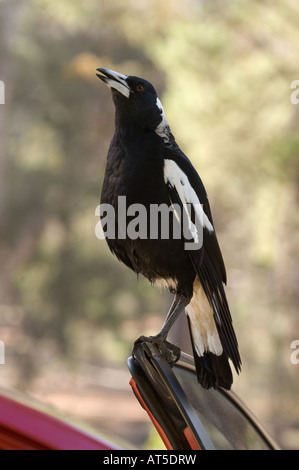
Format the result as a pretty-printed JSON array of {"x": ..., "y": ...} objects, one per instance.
[
  {"x": 207, "y": 259},
  {"x": 121, "y": 253}
]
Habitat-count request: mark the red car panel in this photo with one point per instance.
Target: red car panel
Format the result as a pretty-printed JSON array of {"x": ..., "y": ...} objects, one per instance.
[{"x": 23, "y": 427}]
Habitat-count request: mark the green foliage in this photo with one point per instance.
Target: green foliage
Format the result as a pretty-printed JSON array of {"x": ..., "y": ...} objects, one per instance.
[{"x": 223, "y": 70}]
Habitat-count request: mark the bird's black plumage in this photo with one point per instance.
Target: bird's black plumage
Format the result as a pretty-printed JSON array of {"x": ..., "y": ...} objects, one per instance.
[{"x": 147, "y": 167}]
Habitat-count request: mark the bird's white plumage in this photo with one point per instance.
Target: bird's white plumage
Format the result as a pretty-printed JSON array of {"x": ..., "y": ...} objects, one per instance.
[
  {"x": 203, "y": 326},
  {"x": 178, "y": 179},
  {"x": 200, "y": 312},
  {"x": 166, "y": 283},
  {"x": 163, "y": 128}
]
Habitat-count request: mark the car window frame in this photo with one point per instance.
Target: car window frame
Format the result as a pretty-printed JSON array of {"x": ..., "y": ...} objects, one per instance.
[{"x": 154, "y": 383}]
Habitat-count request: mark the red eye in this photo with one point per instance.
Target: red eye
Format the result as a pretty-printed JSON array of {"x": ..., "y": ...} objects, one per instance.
[{"x": 140, "y": 88}]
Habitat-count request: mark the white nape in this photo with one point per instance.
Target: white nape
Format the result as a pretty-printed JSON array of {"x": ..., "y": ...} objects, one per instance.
[{"x": 163, "y": 128}]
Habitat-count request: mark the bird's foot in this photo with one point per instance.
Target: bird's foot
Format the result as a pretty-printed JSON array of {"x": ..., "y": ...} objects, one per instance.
[{"x": 168, "y": 350}]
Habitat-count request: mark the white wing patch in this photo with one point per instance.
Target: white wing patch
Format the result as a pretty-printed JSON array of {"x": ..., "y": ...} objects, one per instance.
[{"x": 179, "y": 180}]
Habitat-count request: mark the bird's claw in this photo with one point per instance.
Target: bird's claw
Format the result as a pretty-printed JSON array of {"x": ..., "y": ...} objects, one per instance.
[{"x": 168, "y": 350}]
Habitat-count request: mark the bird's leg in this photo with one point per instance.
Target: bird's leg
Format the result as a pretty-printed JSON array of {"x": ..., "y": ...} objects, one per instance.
[
  {"x": 170, "y": 351},
  {"x": 178, "y": 305}
]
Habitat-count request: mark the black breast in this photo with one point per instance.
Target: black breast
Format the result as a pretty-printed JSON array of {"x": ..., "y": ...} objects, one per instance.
[{"x": 134, "y": 172}]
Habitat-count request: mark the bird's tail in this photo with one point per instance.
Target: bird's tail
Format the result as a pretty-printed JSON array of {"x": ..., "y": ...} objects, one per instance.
[
  {"x": 211, "y": 361},
  {"x": 212, "y": 371}
]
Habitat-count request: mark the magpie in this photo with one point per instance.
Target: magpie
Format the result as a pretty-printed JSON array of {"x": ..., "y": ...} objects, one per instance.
[{"x": 147, "y": 167}]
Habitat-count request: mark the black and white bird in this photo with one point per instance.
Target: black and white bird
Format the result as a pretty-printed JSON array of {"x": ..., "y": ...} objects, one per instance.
[{"x": 146, "y": 165}]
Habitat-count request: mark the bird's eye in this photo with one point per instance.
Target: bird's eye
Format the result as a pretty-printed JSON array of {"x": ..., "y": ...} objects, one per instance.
[{"x": 140, "y": 88}]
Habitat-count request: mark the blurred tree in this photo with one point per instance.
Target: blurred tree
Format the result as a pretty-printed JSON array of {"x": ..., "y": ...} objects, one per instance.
[{"x": 224, "y": 71}]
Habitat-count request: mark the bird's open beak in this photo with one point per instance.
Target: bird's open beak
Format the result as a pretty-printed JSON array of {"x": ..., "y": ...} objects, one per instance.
[{"x": 115, "y": 80}]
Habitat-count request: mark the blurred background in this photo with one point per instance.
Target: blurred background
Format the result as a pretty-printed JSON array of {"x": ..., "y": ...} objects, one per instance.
[{"x": 69, "y": 311}]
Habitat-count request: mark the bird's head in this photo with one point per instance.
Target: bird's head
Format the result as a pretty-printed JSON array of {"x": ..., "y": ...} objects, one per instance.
[{"x": 136, "y": 101}]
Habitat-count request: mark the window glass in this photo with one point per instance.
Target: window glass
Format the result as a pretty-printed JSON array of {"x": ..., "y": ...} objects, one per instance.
[{"x": 225, "y": 424}]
